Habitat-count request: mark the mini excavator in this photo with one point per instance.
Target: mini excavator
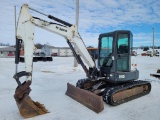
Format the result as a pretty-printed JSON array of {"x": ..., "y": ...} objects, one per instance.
[{"x": 114, "y": 80}]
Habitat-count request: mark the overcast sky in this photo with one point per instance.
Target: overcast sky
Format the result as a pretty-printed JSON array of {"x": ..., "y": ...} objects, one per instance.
[{"x": 95, "y": 17}]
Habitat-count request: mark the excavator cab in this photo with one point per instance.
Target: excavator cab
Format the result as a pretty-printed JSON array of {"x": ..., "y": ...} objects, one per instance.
[
  {"x": 115, "y": 56},
  {"x": 116, "y": 81}
]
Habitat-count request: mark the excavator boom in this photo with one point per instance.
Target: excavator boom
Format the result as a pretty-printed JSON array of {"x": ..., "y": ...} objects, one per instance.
[{"x": 25, "y": 34}]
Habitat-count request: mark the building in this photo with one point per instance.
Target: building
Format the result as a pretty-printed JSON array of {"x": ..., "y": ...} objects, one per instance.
[
  {"x": 93, "y": 52},
  {"x": 7, "y": 51},
  {"x": 56, "y": 51},
  {"x": 65, "y": 51}
]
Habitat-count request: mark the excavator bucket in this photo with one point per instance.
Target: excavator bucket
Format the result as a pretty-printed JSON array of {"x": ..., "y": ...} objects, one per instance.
[
  {"x": 89, "y": 99},
  {"x": 27, "y": 107}
]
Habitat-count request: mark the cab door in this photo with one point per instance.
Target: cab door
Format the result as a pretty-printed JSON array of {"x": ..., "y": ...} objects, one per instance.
[{"x": 123, "y": 51}]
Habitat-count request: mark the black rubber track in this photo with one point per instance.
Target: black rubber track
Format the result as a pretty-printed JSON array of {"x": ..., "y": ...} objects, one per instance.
[{"x": 110, "y": 91}]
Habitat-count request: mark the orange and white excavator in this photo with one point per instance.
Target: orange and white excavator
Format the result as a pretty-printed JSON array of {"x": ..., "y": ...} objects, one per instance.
[{"x": 114, "y": 80}]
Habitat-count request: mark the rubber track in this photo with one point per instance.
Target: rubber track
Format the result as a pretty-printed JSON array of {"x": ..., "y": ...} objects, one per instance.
[{"x": 110, "y": 91}]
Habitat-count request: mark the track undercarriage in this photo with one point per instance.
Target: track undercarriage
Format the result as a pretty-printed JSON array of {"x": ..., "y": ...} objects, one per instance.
[
  {"x": 112, "y": 94},
  {"x": 115, "y": 94}
]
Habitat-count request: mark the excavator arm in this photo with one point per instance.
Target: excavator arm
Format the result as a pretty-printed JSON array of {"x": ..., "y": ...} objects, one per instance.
[{"x": 25, "y": 34}]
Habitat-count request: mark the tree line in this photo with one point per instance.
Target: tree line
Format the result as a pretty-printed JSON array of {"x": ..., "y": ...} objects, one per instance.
[
  {"x": 39, "y": 46},
  {"x": 147, "y": 47},
  {"x": 3, "y": 44}
]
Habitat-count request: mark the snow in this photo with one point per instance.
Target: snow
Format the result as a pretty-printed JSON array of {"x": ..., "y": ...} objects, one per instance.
[{"x": 50, "y": 83}]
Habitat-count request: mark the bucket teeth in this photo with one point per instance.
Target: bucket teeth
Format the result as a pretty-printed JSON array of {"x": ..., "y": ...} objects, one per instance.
[
  {"x": 89, "y": 99},
  {"x": 27, "y": 107}
]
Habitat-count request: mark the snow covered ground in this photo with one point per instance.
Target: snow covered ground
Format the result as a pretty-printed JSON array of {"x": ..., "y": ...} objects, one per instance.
[{"x": 50, "y": 83}]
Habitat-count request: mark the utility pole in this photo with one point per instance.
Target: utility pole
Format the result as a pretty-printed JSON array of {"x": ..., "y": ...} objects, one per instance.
[
  {"x": 153, "y": 40},
  {"x": 77, "y": 17},
  {"x": 15, "y": 33}
]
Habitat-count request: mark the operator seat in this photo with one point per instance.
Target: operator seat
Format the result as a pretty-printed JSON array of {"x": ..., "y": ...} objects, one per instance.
[{"x": 123, "y": 48}]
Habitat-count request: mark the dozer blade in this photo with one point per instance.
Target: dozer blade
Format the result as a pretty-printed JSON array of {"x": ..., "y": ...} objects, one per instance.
[
  {"x": 27, "y": 107},
  {"x": 90, "y": 100},
  {"x": 157, "y": 75}
]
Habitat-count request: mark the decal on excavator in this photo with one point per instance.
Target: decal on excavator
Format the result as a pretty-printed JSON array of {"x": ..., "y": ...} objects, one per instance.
[
  {"x": 121, "y": 76},
  {"x": 61, "y": 29}
]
